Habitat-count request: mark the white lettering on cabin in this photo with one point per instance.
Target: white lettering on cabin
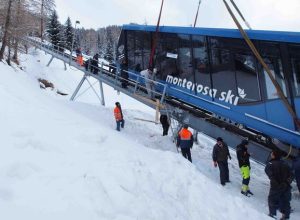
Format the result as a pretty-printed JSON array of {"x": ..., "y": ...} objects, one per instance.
[{"x": 224, "y": 96}]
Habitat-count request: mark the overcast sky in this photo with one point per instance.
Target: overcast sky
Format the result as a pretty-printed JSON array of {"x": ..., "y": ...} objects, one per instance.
[{"x": 261, "y": 14}]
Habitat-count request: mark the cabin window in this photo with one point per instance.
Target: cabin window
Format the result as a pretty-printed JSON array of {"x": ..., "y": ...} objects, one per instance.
[
  {"x": 296, "y": 75},
  {"x": 223, "y": 74},
  {"x": 201, "y": 64},
  {"x": 271, "y": 55},
  {"x": 166, "y": 55},
  {"x": 185, "y": 66},
  {"x": 246, "y": 78},
  {"x": 131, "y": 48},
  {"x": 295, "y": 61},
  {"x": 121, "y": 47},
  {"x": 142, "y": 50},
  {"x": 275, "y": 66},
  {"x": 138, "y": 44}
]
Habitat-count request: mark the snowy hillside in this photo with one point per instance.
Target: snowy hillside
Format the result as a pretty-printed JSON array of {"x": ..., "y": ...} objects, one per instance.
[{"x": 65, "y": 160}]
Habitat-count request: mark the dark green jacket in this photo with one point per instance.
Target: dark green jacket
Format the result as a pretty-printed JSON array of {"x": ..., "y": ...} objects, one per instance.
[{"x": 220, "y": 153}]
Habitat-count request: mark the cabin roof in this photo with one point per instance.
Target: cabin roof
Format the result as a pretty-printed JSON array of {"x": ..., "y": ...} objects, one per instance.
[{"x": 280, "y": 36}]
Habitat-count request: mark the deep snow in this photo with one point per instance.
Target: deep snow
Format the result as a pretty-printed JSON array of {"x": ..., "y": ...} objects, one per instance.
[{"x": 65, "y": 160}]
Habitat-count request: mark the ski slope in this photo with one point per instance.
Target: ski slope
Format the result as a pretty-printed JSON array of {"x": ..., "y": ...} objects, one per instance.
[{"x": 65, "y": 160}]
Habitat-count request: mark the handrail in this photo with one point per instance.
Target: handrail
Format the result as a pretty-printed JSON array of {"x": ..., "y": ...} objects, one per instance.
[
  {"x": 60, "y": 52},
  {"x": 117, "y": 75}
]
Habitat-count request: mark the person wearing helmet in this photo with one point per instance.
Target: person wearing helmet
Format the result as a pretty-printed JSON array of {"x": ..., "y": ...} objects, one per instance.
[
  {"x": 244, "y": 164},
  {"x": 185, "y": 141},
  {"x": 119, "y": 116}
]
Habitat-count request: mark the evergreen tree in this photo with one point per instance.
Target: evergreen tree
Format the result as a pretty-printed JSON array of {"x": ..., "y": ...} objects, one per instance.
[
  {"x": 54, "y": 29},
  {"x": 69, "y": 34},
  {"x": 62, "y": 37},
  {"x": 109, "y": 54},
  {"x": 99, "y": 44}
]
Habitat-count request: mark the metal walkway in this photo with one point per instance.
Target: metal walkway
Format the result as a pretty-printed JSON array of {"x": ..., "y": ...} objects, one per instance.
[{"x": 176, "y": 110}]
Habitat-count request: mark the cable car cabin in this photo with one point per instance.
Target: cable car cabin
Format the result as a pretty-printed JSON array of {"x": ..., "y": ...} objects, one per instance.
[{"x": 215, "y": 70}]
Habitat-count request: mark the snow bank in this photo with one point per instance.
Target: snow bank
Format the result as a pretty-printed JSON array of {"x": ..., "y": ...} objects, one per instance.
[{"x": 64, "y": 160}]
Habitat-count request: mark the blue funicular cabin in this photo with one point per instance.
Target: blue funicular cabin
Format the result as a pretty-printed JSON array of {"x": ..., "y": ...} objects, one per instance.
[{"x": 215, "y": 70}]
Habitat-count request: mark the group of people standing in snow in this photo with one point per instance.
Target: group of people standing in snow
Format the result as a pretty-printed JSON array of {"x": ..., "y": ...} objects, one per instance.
[{"x": 280, "y": 173}]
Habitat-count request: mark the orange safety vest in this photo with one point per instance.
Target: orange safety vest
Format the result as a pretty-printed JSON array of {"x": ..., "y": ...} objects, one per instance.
[
  {"x": 118, "y": 114},
  {"x": 185, "y": 134},
  {"x": 79, "y": 60}
]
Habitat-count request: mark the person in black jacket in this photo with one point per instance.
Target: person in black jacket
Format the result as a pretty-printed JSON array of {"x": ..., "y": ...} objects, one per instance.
[
  {"x": 296, "y": 168},
  {"x": 280, "y": 175},
  {"x": 220, "y": 157},
  {"x": 94, "y": 64},
  {"x": 165, "y": 123},
  {"x": 124, "y": 74},
  {"x": 244, "y": 164}
]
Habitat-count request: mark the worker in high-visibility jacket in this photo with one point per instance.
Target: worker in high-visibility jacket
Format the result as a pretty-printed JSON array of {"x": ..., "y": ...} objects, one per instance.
[
  {"x": 119, "y": 116},
  {"x": 79, "y": 60},
  {"x": 185, "y": 141},
  {"x": 243, "y": 157}
]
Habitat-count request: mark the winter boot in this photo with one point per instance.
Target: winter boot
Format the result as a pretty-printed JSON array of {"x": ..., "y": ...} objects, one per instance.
[
  {"x": 272, "y": 216},
  {"x": 245, "y": 193},
  {"x": 250, "y": 193},
  {"x": 283, "y": 217}
]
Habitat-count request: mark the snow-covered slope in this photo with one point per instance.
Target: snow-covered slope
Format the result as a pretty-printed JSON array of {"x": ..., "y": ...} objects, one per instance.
[{"x": 65, "y": 160}]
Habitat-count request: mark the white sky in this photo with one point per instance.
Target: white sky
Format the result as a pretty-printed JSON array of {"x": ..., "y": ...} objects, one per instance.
[{"x": 261, "y": 14}]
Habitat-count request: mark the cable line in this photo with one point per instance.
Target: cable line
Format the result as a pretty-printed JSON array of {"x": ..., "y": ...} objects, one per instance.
[
  {"x": 266, "y": 68},
  {"x": 240, "y": 13},
  {"x": 155, "y": 36},
  {"x": 196, "y": 18}
]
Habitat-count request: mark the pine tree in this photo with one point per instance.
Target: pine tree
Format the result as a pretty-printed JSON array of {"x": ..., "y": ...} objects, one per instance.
[
  {"x": 46, "y": 8},
  {"x": 109, "y": 54},
  {"x": 62, "y": 37},
  {"x": 54, "y": 29},
  {"x": 69, "y": 34},
  {"x": 99, "y": 44}
]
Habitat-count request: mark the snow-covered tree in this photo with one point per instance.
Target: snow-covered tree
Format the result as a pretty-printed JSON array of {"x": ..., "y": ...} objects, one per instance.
[
  {"x": 46, "y": 8},
  {"x": 109, "y": 53},
  {"x": 54, "y": 30},
  {"x": 69, "y": 34}
]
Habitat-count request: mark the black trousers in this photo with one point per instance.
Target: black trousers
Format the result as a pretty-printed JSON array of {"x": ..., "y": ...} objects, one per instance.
[
  {"x": 165, "y": 129},
  {"x": 280, "y": 199},
  {"x": 186, "y": 152},
  {"x": 298, "y": 182},
  {"x": 224, "y": 171}
]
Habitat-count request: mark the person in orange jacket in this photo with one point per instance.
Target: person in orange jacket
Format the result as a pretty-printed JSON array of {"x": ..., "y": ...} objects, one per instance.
[
  {"x": 185, "y": 141},
  {"x": 79, "y": 60},
  {"x": 119, "y": 116}
]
